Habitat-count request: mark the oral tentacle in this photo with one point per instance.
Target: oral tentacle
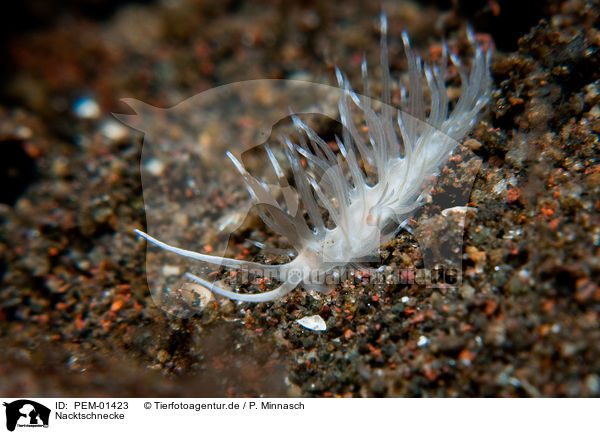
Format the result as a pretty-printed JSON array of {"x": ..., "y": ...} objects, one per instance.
[
  {"x": 217, "y": 260},
  {"x": 284, "y": 289}
]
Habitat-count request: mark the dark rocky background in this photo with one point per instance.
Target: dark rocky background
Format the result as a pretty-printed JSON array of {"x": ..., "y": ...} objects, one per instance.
[{"x": 76, "y": 316}]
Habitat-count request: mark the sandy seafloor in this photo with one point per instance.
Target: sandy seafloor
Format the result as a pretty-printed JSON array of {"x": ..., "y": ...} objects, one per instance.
[{"x": 77, "y": 317}]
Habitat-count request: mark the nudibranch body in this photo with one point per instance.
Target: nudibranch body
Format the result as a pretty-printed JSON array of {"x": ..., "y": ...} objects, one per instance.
[{"x": 404, "y": 149}]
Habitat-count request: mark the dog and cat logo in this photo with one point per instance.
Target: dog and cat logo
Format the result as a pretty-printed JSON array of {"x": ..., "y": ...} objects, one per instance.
[{"x": 25, "y": 413}]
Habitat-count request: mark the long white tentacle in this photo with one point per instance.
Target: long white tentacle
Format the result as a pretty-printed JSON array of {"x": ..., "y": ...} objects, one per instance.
[
  {"x": 284, "y": 289},
  {"x": 217, "y": 260}
]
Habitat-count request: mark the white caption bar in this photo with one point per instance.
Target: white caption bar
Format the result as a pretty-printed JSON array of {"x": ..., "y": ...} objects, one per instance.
[{"x": 163, "y": 415}]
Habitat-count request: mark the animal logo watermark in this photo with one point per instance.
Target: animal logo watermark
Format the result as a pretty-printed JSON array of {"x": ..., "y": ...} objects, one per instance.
[{"x": 25, "y": 413}]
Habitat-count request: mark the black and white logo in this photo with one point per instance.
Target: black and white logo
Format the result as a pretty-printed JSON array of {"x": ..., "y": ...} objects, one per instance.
[{"x": 25, "y": 413}]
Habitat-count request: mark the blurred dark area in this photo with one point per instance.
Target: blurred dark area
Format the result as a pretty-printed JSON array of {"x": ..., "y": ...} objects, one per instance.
[
  {"x": 34, "y": 39},
  {"x": 17, "y": 169},
  {"x": 21, "y": 17},
  {"x": 507, "y": 20}
]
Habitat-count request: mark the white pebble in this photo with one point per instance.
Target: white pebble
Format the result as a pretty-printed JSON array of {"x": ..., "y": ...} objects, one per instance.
[
  {"x": 155, "y": 167},
  {"x": 86, "y": 108},
  {"x": 113, "y": 130},
  {"x": 170, "y": 270},
  {"x": 23, "y": 132},
  {"x": 500, "y": 186}
]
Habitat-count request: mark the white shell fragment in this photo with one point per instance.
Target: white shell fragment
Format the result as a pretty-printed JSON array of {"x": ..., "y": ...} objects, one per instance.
[
  {"x": 314, "y": 322},
  {"x": 458, "y": 210},
  {"x": 190, "y": 291}
]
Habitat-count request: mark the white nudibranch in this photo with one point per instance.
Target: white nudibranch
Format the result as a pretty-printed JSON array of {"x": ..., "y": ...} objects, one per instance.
[{"x": 365, "y": 215}]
